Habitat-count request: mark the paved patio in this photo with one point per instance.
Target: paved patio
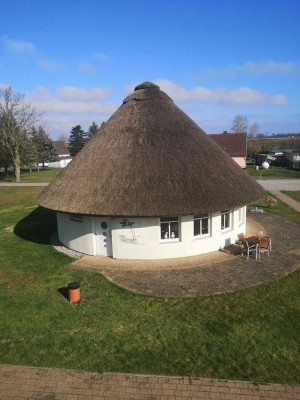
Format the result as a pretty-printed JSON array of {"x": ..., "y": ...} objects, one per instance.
[
  {"x": 59, "y": 384},
  {"x": 214, "y": 273}
]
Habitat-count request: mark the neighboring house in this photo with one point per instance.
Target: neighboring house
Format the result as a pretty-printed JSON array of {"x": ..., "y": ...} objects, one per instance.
[
  {"x": 289, "y": 158},
  {"x": 151, "y": 186},
  {"x": 274, "y": 158},
  {"x": 235, "y": 144},
  {"x": 63, "y": 155},
  {"x": 292, "y": 158}
]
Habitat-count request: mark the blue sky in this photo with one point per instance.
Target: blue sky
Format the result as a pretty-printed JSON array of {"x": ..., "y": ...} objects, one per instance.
[{"x": 77, "y": 60}]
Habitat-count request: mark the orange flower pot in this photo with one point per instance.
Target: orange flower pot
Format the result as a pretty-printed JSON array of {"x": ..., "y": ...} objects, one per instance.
[{"x": 74, "y": 292}]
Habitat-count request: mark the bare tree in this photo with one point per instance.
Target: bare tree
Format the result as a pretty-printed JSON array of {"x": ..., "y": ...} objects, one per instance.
[
  {"x": 63, "y": 138},
  {"x": 17, "y": 117},
  {"x": 253, "y": 130},
  {"x": 239, "y": 124}
]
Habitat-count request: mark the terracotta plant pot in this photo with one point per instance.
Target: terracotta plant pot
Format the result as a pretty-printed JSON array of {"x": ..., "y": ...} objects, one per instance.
[{"x": 74, "y": 292}]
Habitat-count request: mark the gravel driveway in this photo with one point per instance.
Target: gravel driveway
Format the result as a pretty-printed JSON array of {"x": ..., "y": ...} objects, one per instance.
[{"x": 280, "y": 184}]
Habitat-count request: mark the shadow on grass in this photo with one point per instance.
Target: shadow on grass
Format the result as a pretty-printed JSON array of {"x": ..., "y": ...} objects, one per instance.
[
  {"x": 64, "y": 292},
  {"x": 37, "y": 226}
]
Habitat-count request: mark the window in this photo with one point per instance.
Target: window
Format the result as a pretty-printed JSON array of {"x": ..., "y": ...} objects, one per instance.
[
  {"x": 169, "y": 228},
  {"x": 241, "y": 215},
  {"x": 201, "y": 225},
  {"x": 76, "y": 217},
  {"x": 225, "y": 219}
]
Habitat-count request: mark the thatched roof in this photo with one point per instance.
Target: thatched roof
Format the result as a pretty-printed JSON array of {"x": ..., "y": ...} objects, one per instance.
[{"x": 150, "y": 159}]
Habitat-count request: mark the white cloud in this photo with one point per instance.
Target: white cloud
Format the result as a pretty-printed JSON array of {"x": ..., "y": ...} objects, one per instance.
[
  {"x": 69, "y": 106},
  {"x": 70, "y": 93},
  {"x": 16, "y": 45},
  {"x": 240, "y": 96},
  {"x": 86, "y": 68},
  {"x": 268, "y": 67},
  {"x": 3, "y": 85},
  {"x": 50, "y": 65},
  {"x": 264, "y": 67},
  {"x": 72, "y": 100},
  {"x": 62, "y": 124},
  {"x": 101, "y": 57}
]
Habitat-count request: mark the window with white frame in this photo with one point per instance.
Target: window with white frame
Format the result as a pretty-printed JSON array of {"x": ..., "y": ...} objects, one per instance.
[
  {"x": 241, "y": 215},
  {"x": 169, "y": 228},
  {"x": 201, "y": 225},
  {"x": 225, "y": 219}
]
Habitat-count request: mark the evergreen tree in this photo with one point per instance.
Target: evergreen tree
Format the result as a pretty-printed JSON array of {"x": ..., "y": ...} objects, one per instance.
[
  {"x": 44, "y": 147},
  {"x": 29, "y": 154},
  {"x": 6, "y": 160},
  {"x": 77, "y": 140},
  {"x": 92, "y": 130}
]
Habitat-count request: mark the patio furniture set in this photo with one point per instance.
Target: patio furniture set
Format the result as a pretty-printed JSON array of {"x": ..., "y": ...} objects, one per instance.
[{"x": 255, "y": 245}]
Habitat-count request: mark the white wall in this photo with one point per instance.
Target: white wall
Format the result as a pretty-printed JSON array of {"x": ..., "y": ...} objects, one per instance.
[
  {"x": 142, "y": 241},
  {"x": 241, "y": 161},
  {"x": 59, "y": 164},
  {"x": 78, "y": 236}
]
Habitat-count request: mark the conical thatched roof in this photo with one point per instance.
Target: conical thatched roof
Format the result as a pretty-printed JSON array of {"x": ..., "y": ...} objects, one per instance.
[{"x": 150, "y": 159}]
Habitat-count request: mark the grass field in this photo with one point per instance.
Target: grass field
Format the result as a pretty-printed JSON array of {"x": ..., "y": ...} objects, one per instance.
[
  {"x": 272, "y": 173},
  {"x": 35, "y": 176},
  {"x": 281, "y": 208},
  {"x": 49, "y": 174},
  {"x": 293, "y": 194},
  {"x": 247, "y": 335}
]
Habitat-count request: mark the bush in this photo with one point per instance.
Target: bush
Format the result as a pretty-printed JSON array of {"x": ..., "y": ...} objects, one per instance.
[{"x": 271, "y": 201}]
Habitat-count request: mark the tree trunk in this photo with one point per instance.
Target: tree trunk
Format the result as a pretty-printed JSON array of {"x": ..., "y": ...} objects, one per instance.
[
  {"x": 17, "y": 163},
  {"x": 18, "y": 173},
  {"x": 43, "y": 166},
  {"x": 37, "y": 167}
]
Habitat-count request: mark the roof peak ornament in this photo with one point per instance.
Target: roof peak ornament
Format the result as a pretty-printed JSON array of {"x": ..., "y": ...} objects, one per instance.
[{"x": 146, "y": 85}]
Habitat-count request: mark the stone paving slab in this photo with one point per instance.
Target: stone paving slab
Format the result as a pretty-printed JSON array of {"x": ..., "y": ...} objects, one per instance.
[{"x": 60, "y": 384}]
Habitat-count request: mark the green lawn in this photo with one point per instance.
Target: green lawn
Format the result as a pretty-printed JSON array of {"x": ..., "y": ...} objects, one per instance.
[
  {"x": 281, "y": 208},
  {"x": 248, "y": 335},
  {"x": 272, "y": 173},
  {"x": 35, "y": 176},
  {"x": 293, "y": 194}
]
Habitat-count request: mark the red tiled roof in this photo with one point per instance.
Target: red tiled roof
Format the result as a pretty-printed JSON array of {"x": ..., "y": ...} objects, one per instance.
[{"x": 235, "y": 144}]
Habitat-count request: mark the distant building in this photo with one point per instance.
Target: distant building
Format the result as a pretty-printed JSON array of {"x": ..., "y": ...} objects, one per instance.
[
  {"x": 289, "y": 158},
  {"x": 292, "y": 158},
  {"x": 235, "y": 144},
  {"x": 63, "y": 155}
]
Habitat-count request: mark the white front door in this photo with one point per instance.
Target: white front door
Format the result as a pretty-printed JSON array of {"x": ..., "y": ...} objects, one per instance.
[{"x": 103, "y": 237}]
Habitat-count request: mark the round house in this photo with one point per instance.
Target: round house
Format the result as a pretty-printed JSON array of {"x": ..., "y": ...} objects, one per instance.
[{"x": 150, "y": 185}]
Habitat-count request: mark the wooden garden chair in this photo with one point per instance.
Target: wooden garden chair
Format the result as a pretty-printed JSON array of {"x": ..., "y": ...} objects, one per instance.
[{"x": 265, "y": 246}]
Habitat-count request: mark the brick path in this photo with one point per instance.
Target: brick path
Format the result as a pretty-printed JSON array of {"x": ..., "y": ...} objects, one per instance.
[{"x": 60, "y": 384}]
